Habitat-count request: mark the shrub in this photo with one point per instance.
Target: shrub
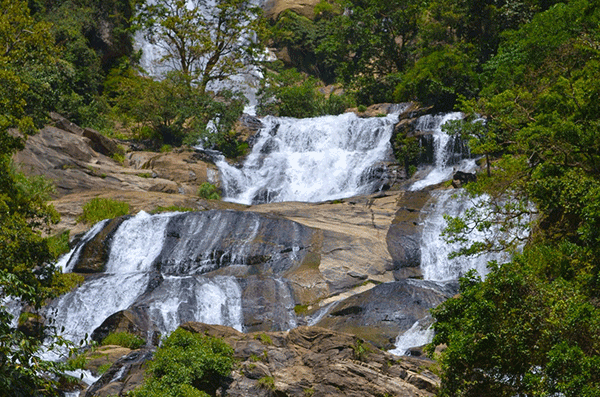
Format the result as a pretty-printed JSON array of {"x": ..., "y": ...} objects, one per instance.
[
  {"x": 98, "y": 209},
  {"x": 208, "y": 191},
  {"x": 267, "y": 382},
  {"x": 264, "y": 338},
  {"x": 172, "y": 208},
  {"x": 124, "y": 339},
  {"x": 103, "y": 368},
  {"x": 188, "y": 364}
]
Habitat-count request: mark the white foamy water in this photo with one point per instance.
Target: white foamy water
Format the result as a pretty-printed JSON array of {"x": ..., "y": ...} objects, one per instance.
[
  {"x": 311, "y": 160},
  {"x": 137, "y": 242},
  {"x": 435, "y": 263},
  {"x": 212, "y": 301},
  {"x": 416, "y": 336},
  {"x": 446, "y": 160},
  {"x": 85, "y": 308}
]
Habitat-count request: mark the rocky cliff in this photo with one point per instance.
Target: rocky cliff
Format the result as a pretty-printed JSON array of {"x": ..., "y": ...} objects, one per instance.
[{"x": 305, "y": 361}]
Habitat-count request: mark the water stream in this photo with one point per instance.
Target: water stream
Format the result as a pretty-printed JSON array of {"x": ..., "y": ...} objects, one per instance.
[
  {"x": 450, "y": 154},
  {"x": 312, "y": 160}
]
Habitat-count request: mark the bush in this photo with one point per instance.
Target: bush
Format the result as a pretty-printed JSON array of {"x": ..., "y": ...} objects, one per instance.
[
  {"x": 208, "y": 191},
  {"x": 187, "y": 364},
  {"x": 98, "y": 209},
  {"x": 267, "y": 382},
  {"x": 293, "y": 94},
  {"x": 124, "y": 339}
]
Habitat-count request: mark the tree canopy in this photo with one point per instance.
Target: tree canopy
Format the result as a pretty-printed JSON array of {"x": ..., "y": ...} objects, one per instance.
[{"x": 531, "y": 328}]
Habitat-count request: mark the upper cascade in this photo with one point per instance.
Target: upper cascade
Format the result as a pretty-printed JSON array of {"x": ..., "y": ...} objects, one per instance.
[
  {"x": 450, "y": 153},
  {"x": 312, "y": 159}
]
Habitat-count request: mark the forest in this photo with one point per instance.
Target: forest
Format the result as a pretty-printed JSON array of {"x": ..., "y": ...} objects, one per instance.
[{"x": 526, "y": 74}]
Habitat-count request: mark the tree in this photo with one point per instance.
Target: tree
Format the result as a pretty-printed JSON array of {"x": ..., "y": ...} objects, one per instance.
[
  {"x": 177, "y": 112},
  {"x": 27, "y": 273},
  {"x": 371, "y": 42},
  {"x": 531, "y": 328},
  {"x": 204, "y": 41}
]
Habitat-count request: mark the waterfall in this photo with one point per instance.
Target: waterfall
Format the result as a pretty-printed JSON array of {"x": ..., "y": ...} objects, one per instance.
[
  {"x": 134, "y": 249},
  {"x": 178, "y": 267},
  {"x": 449, "y": 153},
  {"x": 417, "y": 335},
  {"x": 211, "y": 301},
  {"x": 81, "y": 311},
  {"x": 435, "y": 263},
  {"x": 311, "y": 160}
]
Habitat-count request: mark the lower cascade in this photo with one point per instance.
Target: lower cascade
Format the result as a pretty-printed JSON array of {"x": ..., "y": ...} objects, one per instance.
[{"x": 183, "y": 267}]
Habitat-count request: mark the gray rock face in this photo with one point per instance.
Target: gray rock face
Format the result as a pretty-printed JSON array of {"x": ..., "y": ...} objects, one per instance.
[
  {"x": 200, "y": 242},
  {"x": 404, "y": 235},
  {"x": 380, "y": 314},
  {"x": 201, "y": 254}
]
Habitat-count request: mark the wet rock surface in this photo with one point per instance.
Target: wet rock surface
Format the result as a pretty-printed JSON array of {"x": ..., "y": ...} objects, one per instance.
[{"x": 383, "y": 312}]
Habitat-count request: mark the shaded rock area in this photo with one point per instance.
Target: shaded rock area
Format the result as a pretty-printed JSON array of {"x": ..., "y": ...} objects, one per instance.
[
  {"x": 404, "y": 235},
  {"x": 304, "y": 361},
  {"x": 380, "y": 314}
]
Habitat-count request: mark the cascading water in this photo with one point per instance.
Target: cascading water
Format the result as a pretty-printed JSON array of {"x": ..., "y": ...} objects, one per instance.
[
  {"x": 449, "y": 153},
  {"x": 134, "y": 249},
  {"x": 417, "y": 335},
  {"x": 179, "y": 267},
  {"x": 435, "y": 263},
  {"x": 312, "y": 160}
]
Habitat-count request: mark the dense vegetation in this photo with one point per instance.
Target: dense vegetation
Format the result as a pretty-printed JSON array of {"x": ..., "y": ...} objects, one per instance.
[
  {"x": 526, "y": 73},
  {"x": 188, "y": 365}
]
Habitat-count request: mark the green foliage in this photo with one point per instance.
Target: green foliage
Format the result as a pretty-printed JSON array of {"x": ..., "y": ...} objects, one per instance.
[
  {"x": 59, "y": 243},
  {"x": 187, "y": 364},
  {"x": 66, "y": 282},
  {"x": 292, "y": 94},
  {"x": 124, "y": 339},
  {"x": 264, "y": 339},
  {"x": 301, "y": 310},
  {"x": 172, "y": 208},
  {"x": 360, "y": 350},
  {"x": 208, "y": 191},
  {"x": 119, "y": 158},
  {"x": 438, "y": 79},
  {"x": 508, "y": 334},
  {"x": 98, "y": 209},
  {"x": 204, "y": 43},
  {"x": 531, "y": 328},
  {"x": 103, "y": 368},
  {"x": 267, "y": 382},
  {"x": 173, "y": 111}
]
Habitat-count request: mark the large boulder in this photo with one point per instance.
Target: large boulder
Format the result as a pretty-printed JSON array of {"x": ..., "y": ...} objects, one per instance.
[{"x": 404, "y": 235}]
